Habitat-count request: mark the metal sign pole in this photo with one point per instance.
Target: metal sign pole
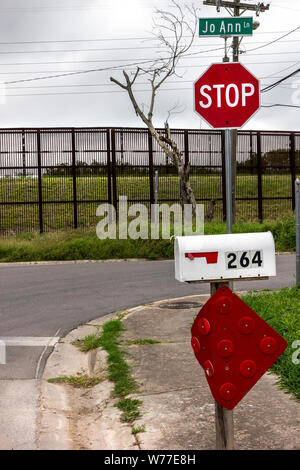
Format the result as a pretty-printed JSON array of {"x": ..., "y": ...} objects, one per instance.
[
  {"x": 228, "y": 176},
  {"x": 223, "y": 417}
]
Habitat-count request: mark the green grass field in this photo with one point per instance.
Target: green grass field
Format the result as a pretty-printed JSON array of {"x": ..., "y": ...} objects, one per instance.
[
  {"x": 83, "y": 244},
  {"x": 281, "y": 310},
  {"x": 58, "y": 215}
]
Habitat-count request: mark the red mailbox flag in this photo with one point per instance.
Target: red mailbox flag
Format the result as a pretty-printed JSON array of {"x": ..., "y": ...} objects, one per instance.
[
  {"x": 226, "y": 95},
  {"x": 234, "y": 346}
]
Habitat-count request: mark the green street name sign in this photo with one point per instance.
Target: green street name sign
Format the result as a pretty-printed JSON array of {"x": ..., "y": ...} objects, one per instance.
[{"x": 226, "y": 26}]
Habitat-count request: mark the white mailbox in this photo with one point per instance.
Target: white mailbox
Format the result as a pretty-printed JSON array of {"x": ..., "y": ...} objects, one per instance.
[{"x": 218, "y": 257}]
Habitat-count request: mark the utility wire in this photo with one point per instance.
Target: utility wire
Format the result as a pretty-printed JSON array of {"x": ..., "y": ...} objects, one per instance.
[
  {"x": 64, "y": 73},
  {"x": 122, "y": 60},
  {"x": 275, "y": 40},
  {"x": 277, "y": 104},
  {"x": 273, "y": 85},
  {"x": 132, "y": 48},
  {"x": 109, "y": 39}
]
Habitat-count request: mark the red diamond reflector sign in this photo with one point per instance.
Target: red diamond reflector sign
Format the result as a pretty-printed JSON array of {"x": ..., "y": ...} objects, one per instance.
[{"x": 234, "y": 345}]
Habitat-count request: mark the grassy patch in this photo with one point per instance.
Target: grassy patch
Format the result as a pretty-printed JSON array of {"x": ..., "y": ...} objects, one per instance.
[
  {"x": 118, "y": 369},
  {"x": 87, "y": 343},
  {"x": 92, "y": 187},
  {"x": 130, "y": 408},
  {"x": 138, "y": 429},
  {"x": 82, "y": 245},
  {"x": 84, "y": 381},
  {"x": 141, "y": 342},
  {"x": 281, "y": 311}
]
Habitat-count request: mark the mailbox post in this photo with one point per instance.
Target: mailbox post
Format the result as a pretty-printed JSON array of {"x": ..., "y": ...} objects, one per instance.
[
  {"x": 221, "y": 259},
  {"x": 223, "y": 418}
]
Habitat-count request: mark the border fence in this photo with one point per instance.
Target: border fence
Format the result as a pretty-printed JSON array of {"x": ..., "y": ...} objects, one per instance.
[{"x": 54, "y": 178}]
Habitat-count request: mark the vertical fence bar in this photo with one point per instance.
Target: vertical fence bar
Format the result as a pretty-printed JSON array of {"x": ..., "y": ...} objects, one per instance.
[
  {"x": 223, "y": 174},
  {"x": 259, "y": 179},
  {"x": 293, "y": 167},
  {"x": 186, "y": 147},
  {"x": 74, "y": 178},
  {"x": 39, "y": 160},
  {"x": 150, "y": 149},
  {"x": 23, "y": 153},
  {"x": 297, "y": 207},
  {"x": 251, "y": 153},
  {"x": 108, "y": 165},
  {"x": 113, "y": 169}
]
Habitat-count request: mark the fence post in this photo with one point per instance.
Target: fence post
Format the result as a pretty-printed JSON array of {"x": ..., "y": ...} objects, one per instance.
[
  {"x": 38, "y": 137},
  {"x": 186, "y": 147},
  {"x": 259, "y": 179},
  {"x": 293, "y": 167},
  {"x": 251, "y": 153},
  {"x": 150, "y": 149},
  {"x": 297, "y": 207},
  {"x": 23, "y": 153},
  {"x": 74, "y": 178},
  {"x": 223, "y": 174},
  {"x": 108, "y": 165},
  {"x": 113, "y": 170}
]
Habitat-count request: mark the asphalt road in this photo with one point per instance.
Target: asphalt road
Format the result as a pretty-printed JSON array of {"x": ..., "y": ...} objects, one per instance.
[{"x": 45, "y": 300}]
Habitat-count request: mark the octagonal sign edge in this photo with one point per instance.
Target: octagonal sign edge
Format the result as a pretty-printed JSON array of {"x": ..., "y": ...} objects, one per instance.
[{"x": 221, "y": 114}]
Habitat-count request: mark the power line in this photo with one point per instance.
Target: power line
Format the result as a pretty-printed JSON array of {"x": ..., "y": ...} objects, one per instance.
[
  {"x": 133, "y": 48},
  {"x": 52, "y": 41},
  {"x": 81, "y": 85},
  {"x": 278, "y": 104},
  {"x": 282, "y": 70},
  {"x": 65, "y": 73},
  {"x": 273, "y": 85},
  {"x": 275, "y": 40},
  {"x": 195, "y": 56}
]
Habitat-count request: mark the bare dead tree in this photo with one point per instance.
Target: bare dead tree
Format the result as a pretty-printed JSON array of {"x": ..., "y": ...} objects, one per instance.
[{"x": 175, "y": 35}]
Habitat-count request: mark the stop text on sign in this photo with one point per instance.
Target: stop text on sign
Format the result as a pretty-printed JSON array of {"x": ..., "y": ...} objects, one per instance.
[
  {"x": 232, "y": 94},
  {"x": 226, "y": 95}
]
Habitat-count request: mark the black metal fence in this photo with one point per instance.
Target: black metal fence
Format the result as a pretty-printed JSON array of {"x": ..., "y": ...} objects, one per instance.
[{"x": 55, "y": 178}]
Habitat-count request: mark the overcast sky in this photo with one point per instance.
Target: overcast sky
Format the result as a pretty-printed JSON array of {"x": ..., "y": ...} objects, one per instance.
[{"x": 41, "y": 38}]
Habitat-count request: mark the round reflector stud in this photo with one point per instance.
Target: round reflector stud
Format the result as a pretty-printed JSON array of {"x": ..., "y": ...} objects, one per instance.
[
  {"x": 225, "y": 347},
  {"x": 246, "y": 325},
  {"x": 268, "y": 345},
  {"x": 228, "y": 391},
  {"x": 248, "y": 368},
  {"x": 203, "y": 326},
  {"x": 209, "y": 368},
  {"x": 195, "y": 344},
  {"x": 224, "y": 305}
]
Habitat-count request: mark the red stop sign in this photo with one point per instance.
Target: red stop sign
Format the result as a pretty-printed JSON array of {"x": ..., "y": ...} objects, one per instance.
[{"x": 226, "y": 95}]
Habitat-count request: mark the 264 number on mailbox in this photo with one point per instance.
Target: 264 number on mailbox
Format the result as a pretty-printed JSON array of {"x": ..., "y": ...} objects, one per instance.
[{"x": 244, "y": 259}]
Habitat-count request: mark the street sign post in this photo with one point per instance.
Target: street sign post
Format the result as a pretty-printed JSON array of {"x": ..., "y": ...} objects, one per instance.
[
  {"x": 226, "y": 95},
  {"x": 235, "y": 26}
]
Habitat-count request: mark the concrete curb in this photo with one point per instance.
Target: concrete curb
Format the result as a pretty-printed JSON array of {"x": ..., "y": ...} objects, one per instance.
[{"x": 87, "y": 261}]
